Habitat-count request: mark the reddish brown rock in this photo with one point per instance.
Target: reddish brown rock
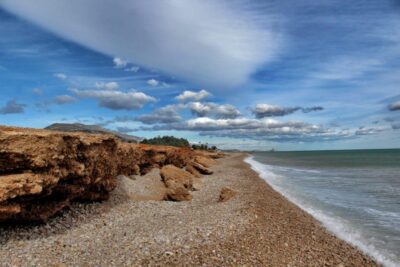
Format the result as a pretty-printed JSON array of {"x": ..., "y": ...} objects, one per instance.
[
  {"x": 42, "y": 172},
  {"x": 178, "y": 194},
  {"x": 226, "y": 194},
  {"x": 205, "y": 161},
  {"x": 178, "y": 182},
  {"x": 193, "y": 171},
  {"x": 200, "y": 168}
]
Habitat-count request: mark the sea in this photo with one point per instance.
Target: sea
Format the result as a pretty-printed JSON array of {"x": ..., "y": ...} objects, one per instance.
[{"x": 355, "y": 194}]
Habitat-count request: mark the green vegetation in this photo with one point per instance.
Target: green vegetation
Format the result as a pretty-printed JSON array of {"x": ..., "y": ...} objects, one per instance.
[
  {"x": 203, "y": 147},
  {"x": 167, "y": 141}
]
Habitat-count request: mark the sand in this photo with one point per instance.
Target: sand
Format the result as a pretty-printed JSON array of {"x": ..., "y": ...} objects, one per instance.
[{"x": 256, "y": 227}]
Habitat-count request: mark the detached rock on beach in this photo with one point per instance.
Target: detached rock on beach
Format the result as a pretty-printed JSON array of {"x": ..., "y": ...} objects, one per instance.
[
  {"x": 178, "y": 182},
  {"x": 226, "y": 194},
  {"x": 200, "y": 168},
  {"x": 206, "y": 162}
]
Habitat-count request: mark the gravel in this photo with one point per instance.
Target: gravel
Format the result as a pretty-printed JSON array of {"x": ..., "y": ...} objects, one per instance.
[{"x": 257, "y": 227}]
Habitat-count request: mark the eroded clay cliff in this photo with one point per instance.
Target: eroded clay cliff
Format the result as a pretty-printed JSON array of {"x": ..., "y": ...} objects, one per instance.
[{"x": 42, "y": 172}]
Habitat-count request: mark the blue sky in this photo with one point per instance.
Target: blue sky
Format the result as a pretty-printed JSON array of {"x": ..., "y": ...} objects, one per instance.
[{"x": 290, "y": 75}]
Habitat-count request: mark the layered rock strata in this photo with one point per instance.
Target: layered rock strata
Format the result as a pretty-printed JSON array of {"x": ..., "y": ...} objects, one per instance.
[{"x": 42, "y": 172}]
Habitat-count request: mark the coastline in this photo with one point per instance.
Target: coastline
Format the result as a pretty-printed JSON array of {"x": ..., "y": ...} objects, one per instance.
[{"x": 257, "y": 227}]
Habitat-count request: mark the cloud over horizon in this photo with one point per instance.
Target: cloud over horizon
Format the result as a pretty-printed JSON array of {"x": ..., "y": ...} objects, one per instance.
[{"x": 264, "y": 129}]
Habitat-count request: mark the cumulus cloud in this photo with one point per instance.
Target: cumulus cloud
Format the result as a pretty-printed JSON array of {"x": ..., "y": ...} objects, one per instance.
[
  {"x": 63, "y": 99},
  {"x": 187, "y": 96},
  {"x": 211, "y": 109},
  {"x": 119, "y": 63},
  {"x": 266, "y": 110},
  {"x": 12, "y": 107},
  {"x": 61, "y": 76},
  {"x": 264, "y": 129},
  {"x": 153, "y": 82},
  {"x": 108, "y": 86},
  {"x": 116, "y": 100},
  {"x": 166, "y": 114},
  {"x": 232, "y": 38},
  {"x": 394, "y": 106}
]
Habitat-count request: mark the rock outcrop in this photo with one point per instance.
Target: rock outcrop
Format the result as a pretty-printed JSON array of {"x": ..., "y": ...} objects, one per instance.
[{"x": 42, "y": 172}]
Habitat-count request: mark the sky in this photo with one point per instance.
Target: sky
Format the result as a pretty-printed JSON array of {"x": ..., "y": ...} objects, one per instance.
[{"x": 239, "y": 74}]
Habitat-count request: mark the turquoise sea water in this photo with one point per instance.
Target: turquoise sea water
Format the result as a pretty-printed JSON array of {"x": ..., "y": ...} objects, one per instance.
[{"x": 354, "y": 193}]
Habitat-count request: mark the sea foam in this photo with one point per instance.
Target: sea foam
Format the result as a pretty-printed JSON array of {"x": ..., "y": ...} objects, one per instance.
[{"x": 335, "y": 225}]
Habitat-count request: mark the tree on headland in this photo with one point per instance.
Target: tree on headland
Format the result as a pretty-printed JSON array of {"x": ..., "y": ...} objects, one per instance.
[{"x": 167, "y": 141}]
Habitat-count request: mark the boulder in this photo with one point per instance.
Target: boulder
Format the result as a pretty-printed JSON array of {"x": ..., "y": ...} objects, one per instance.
[
  {"x": 200, "y": 168},
  {"x": 179, "y": 183},
  {"x": 178, "y": 193},
  {"x": 226, "y": 194},
  {"x": 205, "y": 161}
]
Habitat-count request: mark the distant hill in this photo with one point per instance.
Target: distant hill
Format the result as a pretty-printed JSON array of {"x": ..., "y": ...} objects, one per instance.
[{"x": 94, "y": 129}]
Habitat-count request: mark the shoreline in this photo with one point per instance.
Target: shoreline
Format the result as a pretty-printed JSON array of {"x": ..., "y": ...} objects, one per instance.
[
  {"x": 257, "y": 227},
  {"x": 330, "y": 223}
]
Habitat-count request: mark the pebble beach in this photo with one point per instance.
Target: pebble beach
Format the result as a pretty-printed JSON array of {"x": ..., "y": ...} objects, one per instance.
[{"x": 256, "y": 227}]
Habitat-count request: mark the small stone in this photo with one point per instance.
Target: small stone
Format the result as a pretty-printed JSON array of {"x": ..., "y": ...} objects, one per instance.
[{"x": 168, "y": 253}]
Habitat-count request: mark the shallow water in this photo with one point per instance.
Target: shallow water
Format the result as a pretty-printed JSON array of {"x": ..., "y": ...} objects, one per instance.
[{"x": 355, "y": 194}]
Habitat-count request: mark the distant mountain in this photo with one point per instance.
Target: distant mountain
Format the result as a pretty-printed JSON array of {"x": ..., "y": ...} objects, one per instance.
[{"x": 94, "y": 129}]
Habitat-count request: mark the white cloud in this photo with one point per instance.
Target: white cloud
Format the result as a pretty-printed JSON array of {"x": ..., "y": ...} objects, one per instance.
[
  {"x": 108, "y": 86},
  {"x": 116, "y": 100},
  {"x": 265, "y": 129},
  {"x": 166, "y": 114},
  {"x": 153, "y": 82},
  {"x": 225, "y": 111},
  {"x": 61, "y": 76},
  {"x": 119, "y": 63},
  {"x": 187, "y": 96},
  {"x": 218, "y": 43}
]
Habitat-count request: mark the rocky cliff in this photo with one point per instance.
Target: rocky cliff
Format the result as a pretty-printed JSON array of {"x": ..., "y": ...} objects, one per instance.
[{"x": 42, "y": 172}]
